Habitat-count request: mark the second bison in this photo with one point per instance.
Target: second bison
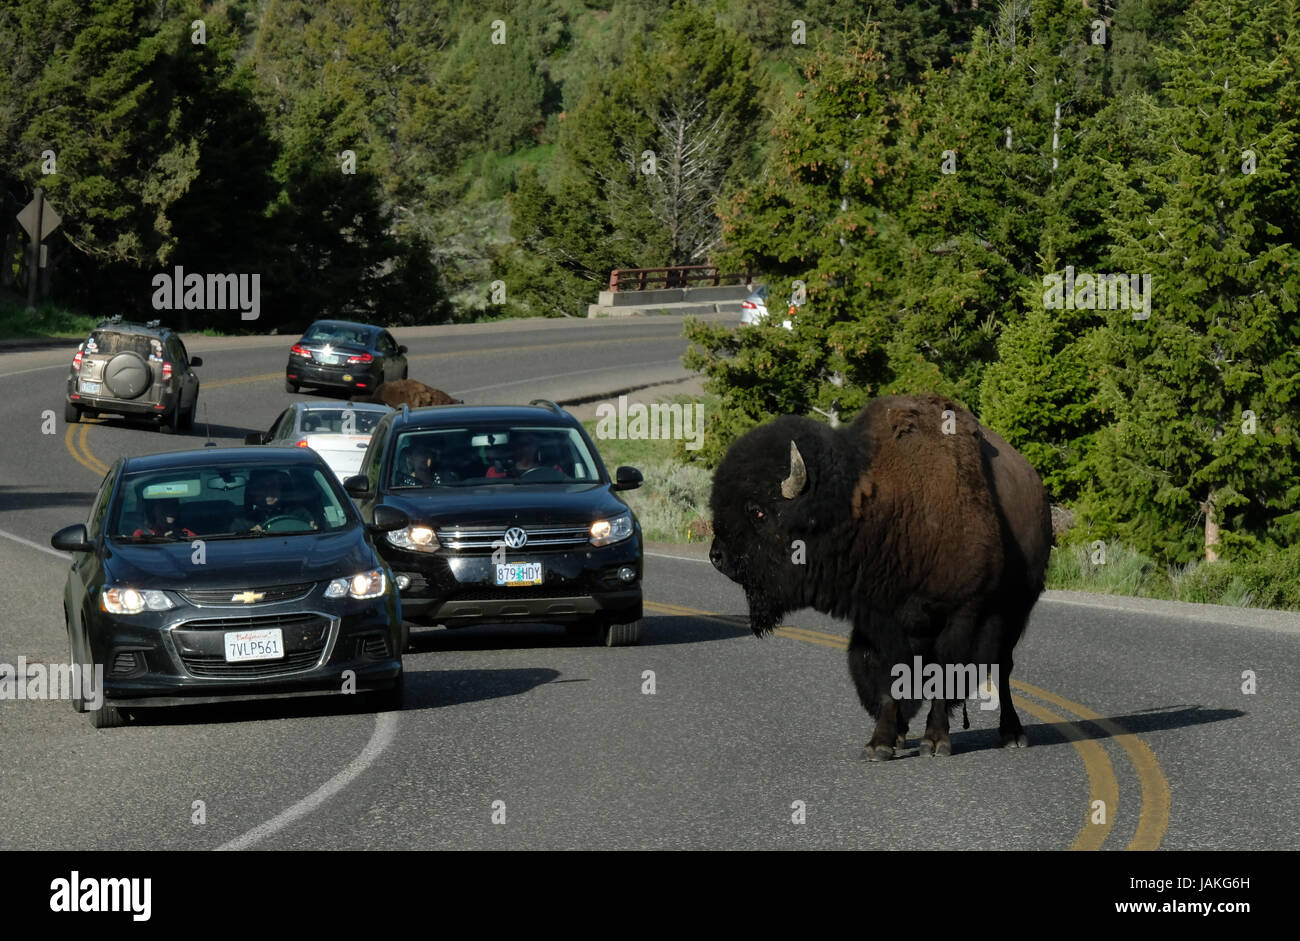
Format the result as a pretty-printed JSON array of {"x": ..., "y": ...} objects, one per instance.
[
  {"x": 923, "y": 528},
  {"x": 410, "y": 392}
]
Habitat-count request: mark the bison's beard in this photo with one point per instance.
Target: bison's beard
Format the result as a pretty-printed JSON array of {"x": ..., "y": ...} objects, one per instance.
[{"x": 765, "y": 612}]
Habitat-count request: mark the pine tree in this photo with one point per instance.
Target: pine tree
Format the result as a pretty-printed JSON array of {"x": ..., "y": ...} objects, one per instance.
[{"x": 1201, "y": 452}]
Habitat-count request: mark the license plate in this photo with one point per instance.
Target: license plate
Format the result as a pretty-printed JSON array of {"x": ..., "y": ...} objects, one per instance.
[
  {"x": 330, "y": 360},
  {"x": 254, "y": 645},
  {"x": 519, "y": 573},
  {"x": 91, "y": 388}
]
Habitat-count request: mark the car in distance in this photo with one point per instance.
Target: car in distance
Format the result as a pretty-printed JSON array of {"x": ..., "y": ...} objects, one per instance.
[
  {"x": 338, "y": 431},
  {"x": 513, "y": 518},
  {"x": 135, "y": 370},
  {"x": 229, "y": 574},
  {"x": 753, "y": 309},
  {"x": 340, "y": 354}
]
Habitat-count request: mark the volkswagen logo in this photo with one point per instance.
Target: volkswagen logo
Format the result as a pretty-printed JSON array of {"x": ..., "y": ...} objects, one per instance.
[{"x": 516, "y": 538}]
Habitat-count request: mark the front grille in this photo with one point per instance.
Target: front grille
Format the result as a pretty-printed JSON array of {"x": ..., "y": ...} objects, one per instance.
[
  {"x": 483, "y": 539},
  {"x": 202, "y": 650},
  {"x": 221, "y": 597},
  {"x": 524, "y": 592},
  {"x": 218, "y": 667}
]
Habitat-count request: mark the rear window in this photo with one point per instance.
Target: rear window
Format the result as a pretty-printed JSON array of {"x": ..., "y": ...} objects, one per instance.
[
  {"x": 331, "y": 421},
  {"x": 108, "y": 342},
  {"x": 344, "y": 335}
]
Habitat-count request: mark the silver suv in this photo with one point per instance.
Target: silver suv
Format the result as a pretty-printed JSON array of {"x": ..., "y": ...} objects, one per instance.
[{"x": 135, "y": 370}]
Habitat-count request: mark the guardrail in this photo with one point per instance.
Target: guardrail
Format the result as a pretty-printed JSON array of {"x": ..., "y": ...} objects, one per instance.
[{"x": 677, "y": 276}]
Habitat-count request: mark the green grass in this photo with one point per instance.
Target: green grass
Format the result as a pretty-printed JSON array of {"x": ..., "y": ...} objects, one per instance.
[{"x": 47, "y": 321}]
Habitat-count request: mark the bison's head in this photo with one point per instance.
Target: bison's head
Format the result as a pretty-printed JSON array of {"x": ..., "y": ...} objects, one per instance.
[{"x": 776, "y": 485}]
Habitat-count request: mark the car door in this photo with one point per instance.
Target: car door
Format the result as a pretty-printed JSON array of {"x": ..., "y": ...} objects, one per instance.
[{"x": 394, "y": 360}]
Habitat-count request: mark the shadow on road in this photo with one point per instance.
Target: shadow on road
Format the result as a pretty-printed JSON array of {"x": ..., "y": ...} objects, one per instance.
[
  {"x": 1041, "y": 733},
  {"x": 659, "y": 630},
  {"x": 425, "y": 689},
  {"x": 27, "y": 498}
]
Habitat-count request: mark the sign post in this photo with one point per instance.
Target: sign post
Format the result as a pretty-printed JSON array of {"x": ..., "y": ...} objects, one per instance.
[{"x": 39, "y": 219}]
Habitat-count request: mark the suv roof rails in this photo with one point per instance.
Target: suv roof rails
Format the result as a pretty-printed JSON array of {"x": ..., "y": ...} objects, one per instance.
[
  {"x": 154, "y": 324},
  {"x": 548, "y": 404}
]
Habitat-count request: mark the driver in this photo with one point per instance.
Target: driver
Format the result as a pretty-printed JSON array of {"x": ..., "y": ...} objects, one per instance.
[
  {"x": 161, "y": 516},
  {"x": 263, "y": 502}
]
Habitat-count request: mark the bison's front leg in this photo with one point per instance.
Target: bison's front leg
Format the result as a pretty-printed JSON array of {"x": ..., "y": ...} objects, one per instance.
[
  {"x": 871, "y": 676},
  {"x": 936, "y": 742}
]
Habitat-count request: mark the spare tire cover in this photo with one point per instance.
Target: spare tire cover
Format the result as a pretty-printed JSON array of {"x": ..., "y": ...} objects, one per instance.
[{"x": 127, "y": 375}]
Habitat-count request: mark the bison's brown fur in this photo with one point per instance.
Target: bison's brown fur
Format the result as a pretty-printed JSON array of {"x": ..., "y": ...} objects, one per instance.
[
  {"x": 920, "y": 526},
  {"x": 410, "y": 392}
]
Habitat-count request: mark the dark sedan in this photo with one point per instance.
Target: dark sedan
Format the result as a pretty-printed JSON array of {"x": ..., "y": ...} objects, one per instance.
[
  {"x": 339, "y": 354},
  {"x": 216, "y": 575}
]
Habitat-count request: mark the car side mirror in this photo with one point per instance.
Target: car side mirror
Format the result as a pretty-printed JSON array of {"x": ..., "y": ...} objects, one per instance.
[
  {"x": 357, "y": 486},
  {"x": 401, "y": 349},
  {"x": 72, "y": 538},
  {"x": 257, "y": 437},
  {"x": 388, "y": 518},
  {"x": 627, "y": 478},
  {"x": 196, "y": 360}
]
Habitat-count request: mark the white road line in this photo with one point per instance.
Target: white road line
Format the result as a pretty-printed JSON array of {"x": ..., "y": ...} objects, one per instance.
[
  {"x": 36, "y": 545},
  {"x": 34, "y": 369},
  {"x": 385, "y": 729},
  {"x": 682, "y": 558}
]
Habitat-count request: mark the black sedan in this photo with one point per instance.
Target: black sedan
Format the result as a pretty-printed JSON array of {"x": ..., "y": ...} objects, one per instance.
[
  {"x": 216, "y": 575},
  {"x": 339, "y": 354}
]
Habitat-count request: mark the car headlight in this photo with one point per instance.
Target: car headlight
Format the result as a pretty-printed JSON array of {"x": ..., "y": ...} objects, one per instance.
[
  {"x": 134, "y": 601},
  {"x": 370, "y": 584},
  {"x": 415, "y": 538},
  {"x": 604, "y": 532}
]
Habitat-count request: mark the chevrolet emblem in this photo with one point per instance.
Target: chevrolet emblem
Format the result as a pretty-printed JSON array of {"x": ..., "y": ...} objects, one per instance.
[{"x": 248, "y": 597}]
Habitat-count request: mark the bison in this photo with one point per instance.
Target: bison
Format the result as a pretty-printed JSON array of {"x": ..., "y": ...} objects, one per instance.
[
  {"x": 924, "y": 529},
  {"x": 412, "y": 393}
]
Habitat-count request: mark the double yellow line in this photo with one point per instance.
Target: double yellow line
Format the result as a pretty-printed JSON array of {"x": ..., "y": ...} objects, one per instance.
[
  {"x": 1153, "y": 816},
  {"x": 76, "y": 440}
]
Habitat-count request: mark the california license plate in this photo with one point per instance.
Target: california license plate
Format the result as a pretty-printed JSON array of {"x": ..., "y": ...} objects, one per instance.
[
  {"x": 254, "y": 645},
  {"x": 92, "y": 388},
  {"x": 519, "y": 573}
]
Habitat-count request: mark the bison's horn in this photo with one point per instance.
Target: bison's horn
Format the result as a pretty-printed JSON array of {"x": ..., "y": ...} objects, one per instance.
[{"x": 793, "y": 485}]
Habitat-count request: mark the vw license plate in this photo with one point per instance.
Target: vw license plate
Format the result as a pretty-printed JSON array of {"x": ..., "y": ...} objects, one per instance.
[
  {"x": 254, "y": 645},
  {"x": 519, "y": 573},
  {"x": 91, "y": 388}
]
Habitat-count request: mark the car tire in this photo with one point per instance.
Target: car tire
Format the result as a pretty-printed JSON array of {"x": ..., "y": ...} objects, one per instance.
[
  {"x": 71, "y": 414},
  {"x": 106, "y": 716},
  {"x": 171, "y": 422},
  {"x": 391, "y": 699},
  {"x": 290, "y": 386},
  {"x": 622, "y": 635},
  {"x": 187, "y": 421}
]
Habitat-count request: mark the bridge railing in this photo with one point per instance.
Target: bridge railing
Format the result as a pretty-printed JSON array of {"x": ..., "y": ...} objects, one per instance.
[{"x": 677, "y": 276}]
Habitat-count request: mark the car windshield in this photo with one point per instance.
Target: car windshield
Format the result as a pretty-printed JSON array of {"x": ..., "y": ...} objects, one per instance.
[
  {"x": 180, "y": 504},
  {"x": 108, "y": 341},
  {"x": 342, "y": 335},
  {"x": 339, "y": 421},
  {"x": 492, "y": 454}
]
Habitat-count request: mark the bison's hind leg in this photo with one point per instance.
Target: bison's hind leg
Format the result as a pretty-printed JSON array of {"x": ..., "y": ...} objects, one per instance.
[{"x": 1000, "y": 633}]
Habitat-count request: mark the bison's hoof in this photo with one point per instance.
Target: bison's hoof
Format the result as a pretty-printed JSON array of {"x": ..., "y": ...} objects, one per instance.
[
  {"x": 939, "y": 749},
  {"x": 900, "y": 741},
  {"x": 1014, "y": 740},
  {"x": 877, "y": 752}
]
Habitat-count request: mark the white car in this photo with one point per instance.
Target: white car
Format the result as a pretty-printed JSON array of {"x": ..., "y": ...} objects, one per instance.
[
  {"x": 754, "y": 309},
  {"x": 338, "y": 431}
]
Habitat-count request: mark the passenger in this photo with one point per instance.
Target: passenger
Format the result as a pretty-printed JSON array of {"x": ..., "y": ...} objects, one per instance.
[
  {"x": 423, "y": 468},
  {"x": 163, "y": 520}
]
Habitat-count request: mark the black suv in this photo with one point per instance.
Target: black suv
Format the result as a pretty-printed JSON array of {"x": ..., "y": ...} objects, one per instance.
[
  {"x": 513, "y": 518},
  {"x": 134, "y": 369}
]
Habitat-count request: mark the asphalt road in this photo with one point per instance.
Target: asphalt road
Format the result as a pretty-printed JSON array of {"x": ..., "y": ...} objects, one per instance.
[{"x": 1137, "y": 705}]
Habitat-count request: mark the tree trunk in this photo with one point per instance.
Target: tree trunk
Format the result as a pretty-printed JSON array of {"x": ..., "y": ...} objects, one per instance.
[{"x": 1211, "y": 530}]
